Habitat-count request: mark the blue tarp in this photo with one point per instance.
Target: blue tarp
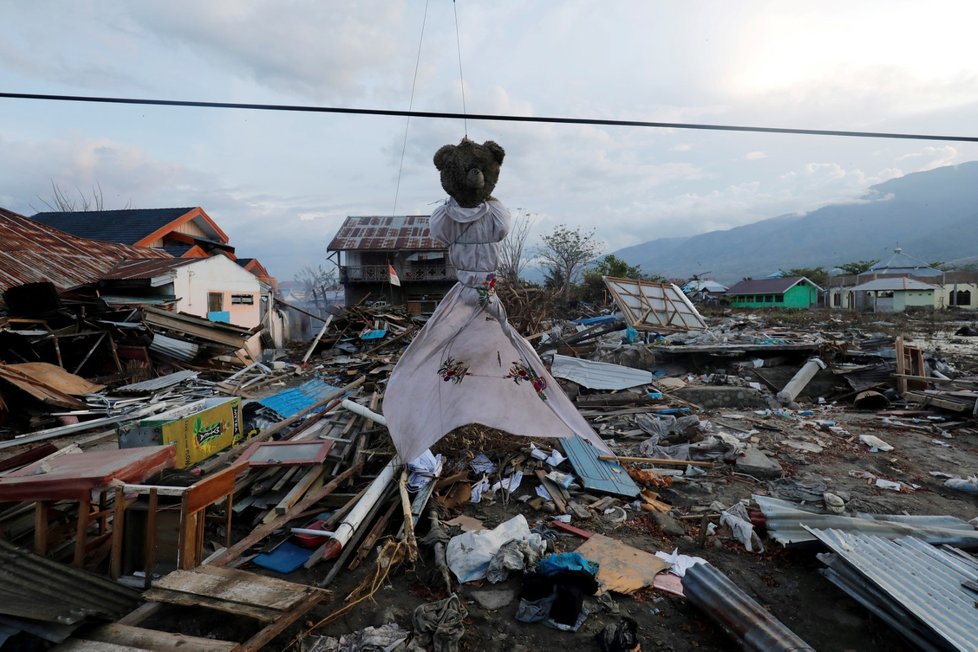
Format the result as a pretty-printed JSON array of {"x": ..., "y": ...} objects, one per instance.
[
  {"x": 591, "y": 321},
  {"x": 295, "y": 400}
]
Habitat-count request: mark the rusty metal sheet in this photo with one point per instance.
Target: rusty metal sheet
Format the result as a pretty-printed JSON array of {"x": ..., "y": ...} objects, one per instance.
[
  {"x": 385, "y": 233},
  {"x": 31, "y": 252}
]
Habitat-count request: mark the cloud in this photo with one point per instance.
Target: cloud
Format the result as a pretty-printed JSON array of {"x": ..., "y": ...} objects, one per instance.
[{"x": 754, "y": 156}]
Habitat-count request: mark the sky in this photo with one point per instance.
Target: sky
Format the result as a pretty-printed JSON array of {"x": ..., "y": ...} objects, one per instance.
[{"x": 280, "y": 184}]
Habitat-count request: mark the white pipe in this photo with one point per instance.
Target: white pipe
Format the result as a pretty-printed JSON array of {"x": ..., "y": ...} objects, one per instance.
[
  {"x": 344, "y": 531},
  {"x": 315, "y": 533},
  {"x": 800, "y": 380},
  {"x": 366, "y": 412}
]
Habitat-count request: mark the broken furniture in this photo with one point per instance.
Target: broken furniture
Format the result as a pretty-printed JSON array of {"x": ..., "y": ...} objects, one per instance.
[
  {"x": 190, "y": 521},
  {"x": 84, "y": 478}
]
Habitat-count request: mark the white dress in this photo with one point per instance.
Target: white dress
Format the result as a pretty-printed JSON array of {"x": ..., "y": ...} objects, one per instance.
[{"x": 468, "y": 365}]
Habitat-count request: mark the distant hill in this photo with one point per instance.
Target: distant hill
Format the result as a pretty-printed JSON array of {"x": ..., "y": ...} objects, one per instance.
[{"x": 932, "y": 215}]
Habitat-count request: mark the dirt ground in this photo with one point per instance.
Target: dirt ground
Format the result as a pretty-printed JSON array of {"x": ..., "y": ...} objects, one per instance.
[{"x": 785, "y": 581}]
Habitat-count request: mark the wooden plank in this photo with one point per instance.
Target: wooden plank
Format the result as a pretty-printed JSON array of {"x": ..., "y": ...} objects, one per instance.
[
  {"x": 299, "y": 490},
  {"x": 80, "y": 645},
  {"x": 115, "y": 558},
  {"x": 901, "y": 365},
  {"x": 552, "y": 489},
  {"x": 152, "y": 639},
  {"x": 41, "y": 510},
  {"x": 594, "y": 473},
  {"x": 150, "y": 552},
  {"x": 232, "y": 585},
  {"x": 211, "y": 489},
  {"x": 312, "y": 347},
  {"x": 197, "y": 601},
  {"x": 81, "y": 532},
  {"x": 260, "y": 640},
  {"x": 263, "y": 531},
  {"x": 654, "y": 460}
]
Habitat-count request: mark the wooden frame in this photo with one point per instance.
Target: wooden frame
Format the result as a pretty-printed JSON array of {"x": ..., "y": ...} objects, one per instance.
[{"x": 652, "y": 306}]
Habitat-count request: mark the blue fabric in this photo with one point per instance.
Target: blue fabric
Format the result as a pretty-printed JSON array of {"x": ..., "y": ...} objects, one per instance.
[{"x": 573, "y": 561}]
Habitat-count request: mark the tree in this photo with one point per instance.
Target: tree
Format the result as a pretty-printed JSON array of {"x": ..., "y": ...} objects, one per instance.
[
  {"x": 512, "y": 250},
  {"x": 315, "y": 282},
  {"x": 565, "y": 252},
  {"x": 609, "y": 265},
  {"x": 816, "y": 275},
  {"x": 62, "y": 201},
  {"x": 857, "y": 266}
]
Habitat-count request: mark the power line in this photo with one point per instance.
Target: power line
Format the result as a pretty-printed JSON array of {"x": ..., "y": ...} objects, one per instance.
[{"x": 484, "y": 116}]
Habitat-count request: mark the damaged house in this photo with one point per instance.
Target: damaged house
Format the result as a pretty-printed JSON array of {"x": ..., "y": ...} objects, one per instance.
[{"x": 367, "y": 248}]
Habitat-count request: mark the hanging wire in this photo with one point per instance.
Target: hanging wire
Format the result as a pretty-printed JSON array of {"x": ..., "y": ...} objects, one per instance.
[
  {"x": 445, "y": 115},
  {"x": 407, "y": 123},
  {"x": 461, "y": 82}
]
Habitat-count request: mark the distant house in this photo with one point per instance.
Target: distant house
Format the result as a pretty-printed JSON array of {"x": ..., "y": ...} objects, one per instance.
[
  {"x": 787, "y": 292},
  {"x": 704, "y": 290},
  {"x": 215, "y": 288},
  {"x": 905, "y": 277},
  {"x": 893, "y": 294},
  {"x": 366, "y": 248},
  {"x": 181, "y": 232}
]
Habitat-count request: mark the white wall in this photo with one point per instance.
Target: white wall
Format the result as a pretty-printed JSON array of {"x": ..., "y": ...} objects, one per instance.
[{"x": 222, "y": 275}]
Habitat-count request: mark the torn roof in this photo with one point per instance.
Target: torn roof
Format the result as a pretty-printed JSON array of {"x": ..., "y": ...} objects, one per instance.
[
  {"x": 385, "y": 233},
  {"x": 31, "y": 252},
  {"x": 145, "y": 268}
]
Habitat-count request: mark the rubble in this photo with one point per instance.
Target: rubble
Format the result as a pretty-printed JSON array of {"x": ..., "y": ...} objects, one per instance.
[{"x": 296, "y": 480}]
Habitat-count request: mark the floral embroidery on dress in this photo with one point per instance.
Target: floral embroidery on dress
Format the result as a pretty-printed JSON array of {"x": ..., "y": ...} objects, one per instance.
[
  {"x": 520, "y": 372},
  {"x": 487, "y": 291},
  {"x": 453, "y": 370}
]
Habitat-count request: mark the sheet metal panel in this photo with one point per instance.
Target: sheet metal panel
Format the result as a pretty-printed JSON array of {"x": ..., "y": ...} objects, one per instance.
[
  {"x": 788, "y": 524},
  {"x": 596, "y": 474},
  {"x": 295, "y": 400},
  {"x": 919, "y": 579},
  {"x": 598, "y": 375},
  {"x": 739, "y": 614}
]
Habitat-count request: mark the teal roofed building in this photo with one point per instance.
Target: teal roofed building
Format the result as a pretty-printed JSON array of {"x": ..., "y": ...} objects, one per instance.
[{"x": 787, "y": 292}]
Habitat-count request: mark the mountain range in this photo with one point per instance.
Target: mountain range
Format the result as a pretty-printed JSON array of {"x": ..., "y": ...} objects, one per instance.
[{"x": 932, "y": 215}]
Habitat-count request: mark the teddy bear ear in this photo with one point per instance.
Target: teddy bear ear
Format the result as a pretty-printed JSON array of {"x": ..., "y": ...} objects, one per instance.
[
  {"x": 497, "y": 152},
  {"x": 443, "y": 155}
]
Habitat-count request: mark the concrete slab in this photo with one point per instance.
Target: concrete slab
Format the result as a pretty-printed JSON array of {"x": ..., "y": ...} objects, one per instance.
[
  {"x": 722, "y": 396},
  {"x": 754, "y": 462}
]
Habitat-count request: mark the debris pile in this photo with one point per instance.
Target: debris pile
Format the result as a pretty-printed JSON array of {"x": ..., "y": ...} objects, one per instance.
[{"x": 152, "y": 461}]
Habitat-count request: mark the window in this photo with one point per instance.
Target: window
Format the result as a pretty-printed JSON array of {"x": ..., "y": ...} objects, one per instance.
[
  {"x": 215, "y": 301},
  {"x": 962, "y": 298},
  {"x": 837, "y": 299},
  {"x": 242, "y": 299},
  {"x": 778, "y": 298}
]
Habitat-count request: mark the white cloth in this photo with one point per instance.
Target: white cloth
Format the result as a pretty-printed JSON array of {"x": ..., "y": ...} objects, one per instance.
[{"x": 468, "y": 365}]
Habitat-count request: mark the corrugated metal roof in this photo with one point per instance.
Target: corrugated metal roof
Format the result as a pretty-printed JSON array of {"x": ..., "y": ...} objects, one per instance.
[
  {"x": 385, "y": 233},
  {"x": 901, "y": 263},
  {"x": 766, "y": 285},
  {"x": 739, "y": 614},
  {"x": 896, "y": 283},
  {"x": 135, "y": 270},
  {"x": 127, "y": 226},
  {"x": 916, "y": 587},
  {"x": 788, "y": 524},
  {"x": 31, "y": 252},
  {"x": 38, "y": 588}
]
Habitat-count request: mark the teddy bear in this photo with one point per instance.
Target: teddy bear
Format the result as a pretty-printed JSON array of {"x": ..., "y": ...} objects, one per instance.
[{"x": 469, "y": 171}]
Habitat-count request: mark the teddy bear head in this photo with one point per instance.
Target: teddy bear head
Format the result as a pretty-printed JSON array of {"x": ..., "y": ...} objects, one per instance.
[{"x": 469, "y": 171}]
